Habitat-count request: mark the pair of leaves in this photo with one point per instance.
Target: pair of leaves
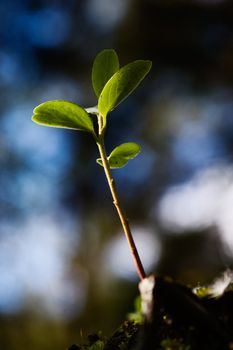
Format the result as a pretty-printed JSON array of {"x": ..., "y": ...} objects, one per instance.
[
  {"x": 111, "y": 85},
  {"x": 120, "y": 156}
]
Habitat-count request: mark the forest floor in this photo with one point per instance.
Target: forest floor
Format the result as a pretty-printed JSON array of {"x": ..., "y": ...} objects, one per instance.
[{"x": 175, "y": 318}]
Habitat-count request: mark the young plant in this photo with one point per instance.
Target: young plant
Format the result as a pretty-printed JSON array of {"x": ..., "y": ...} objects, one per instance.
[{"x": 111, "y": 85}]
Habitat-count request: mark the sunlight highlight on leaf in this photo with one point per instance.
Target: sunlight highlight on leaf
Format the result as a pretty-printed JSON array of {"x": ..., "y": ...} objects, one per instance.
[
  {"x": 122, "y": 84},
  {"x": 63, "y": 114}
]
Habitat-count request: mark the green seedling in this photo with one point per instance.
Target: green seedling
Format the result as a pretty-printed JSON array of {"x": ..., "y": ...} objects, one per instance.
[{"x": 112, "y": 85}]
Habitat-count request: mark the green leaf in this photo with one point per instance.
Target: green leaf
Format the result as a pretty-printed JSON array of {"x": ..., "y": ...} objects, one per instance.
[
  {"x": 127, "y": 150},
  {"x": 98, "y": 345},
  {"x": 120, "y": 156},
  {"x": 63, "y": 114},
  {"x": 122, "y": 84},
  {"x": 137, "y": 314},
  {"x": 105, "y": 65},
  {"x": 115, "y": 163}
]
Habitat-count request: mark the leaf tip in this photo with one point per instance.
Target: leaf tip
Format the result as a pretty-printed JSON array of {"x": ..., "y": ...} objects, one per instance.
[{"x": 34, "y": 116}]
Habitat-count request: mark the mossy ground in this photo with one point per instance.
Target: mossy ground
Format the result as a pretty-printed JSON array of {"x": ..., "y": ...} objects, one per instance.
[{"x": 180, "y": 321}]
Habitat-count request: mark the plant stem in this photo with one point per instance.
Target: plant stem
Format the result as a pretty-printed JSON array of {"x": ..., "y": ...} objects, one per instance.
[{"x": 116, "y": 202}]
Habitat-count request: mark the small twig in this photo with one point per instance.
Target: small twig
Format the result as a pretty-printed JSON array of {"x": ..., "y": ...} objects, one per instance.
[{"x": 116, "y": 202}]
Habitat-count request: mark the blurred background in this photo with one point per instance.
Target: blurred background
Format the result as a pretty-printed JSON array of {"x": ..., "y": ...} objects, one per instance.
[{"x": 65, "y": 268}]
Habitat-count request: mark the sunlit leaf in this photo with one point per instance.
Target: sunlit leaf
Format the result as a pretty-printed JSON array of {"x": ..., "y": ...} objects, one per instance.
[
  {"x": 122, "y": 84},
  {"x": 105, "y": 65},
  {"x": 127, "y": 150},
  {"x": 63, "y": 114},
  {"x": 120, "y": 156}
]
